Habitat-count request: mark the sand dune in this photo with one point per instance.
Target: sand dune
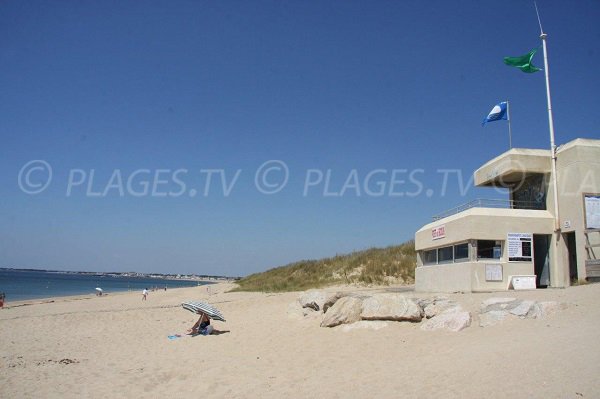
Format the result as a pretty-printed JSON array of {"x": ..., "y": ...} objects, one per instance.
[{"x": 117, "y": 347}]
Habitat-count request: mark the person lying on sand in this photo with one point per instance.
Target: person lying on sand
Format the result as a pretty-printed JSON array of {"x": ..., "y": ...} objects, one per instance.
[{"x": 202, "y": 326}]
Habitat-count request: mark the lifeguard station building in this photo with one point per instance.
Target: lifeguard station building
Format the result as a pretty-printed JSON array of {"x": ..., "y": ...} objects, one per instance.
[{"x": 520, "y": 242}]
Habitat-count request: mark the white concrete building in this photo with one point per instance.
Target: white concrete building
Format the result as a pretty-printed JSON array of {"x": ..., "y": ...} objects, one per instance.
[{"x": 519, "y": 242}]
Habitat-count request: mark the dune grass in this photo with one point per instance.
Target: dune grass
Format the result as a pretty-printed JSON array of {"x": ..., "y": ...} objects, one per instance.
[{"x": 394, "y": 264}]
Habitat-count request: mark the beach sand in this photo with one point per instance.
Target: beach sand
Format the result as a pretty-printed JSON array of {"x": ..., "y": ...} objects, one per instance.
[{"x": 117, "y": 346}]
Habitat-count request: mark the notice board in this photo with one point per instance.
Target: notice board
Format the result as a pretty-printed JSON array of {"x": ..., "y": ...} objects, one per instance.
[{"x": 520, "y": 247}]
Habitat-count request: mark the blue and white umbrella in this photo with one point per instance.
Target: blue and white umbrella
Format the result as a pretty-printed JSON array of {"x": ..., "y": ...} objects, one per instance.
[{"x": 209, "y": 310}]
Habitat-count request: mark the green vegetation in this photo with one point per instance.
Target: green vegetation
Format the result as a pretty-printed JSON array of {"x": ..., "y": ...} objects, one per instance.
[{"x": 380, "y": 266}]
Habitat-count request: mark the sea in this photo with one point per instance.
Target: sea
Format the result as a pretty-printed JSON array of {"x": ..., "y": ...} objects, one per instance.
[{"x": 19, "y": 285}]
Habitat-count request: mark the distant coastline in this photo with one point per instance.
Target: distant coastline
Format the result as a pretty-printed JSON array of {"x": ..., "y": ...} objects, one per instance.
[
  {"x": 169, "y": 276},
  {"x": 25, "y": 284}
]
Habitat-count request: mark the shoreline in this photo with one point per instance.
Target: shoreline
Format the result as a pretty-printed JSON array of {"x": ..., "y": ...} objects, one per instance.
[{"x": 78, "y": 297}]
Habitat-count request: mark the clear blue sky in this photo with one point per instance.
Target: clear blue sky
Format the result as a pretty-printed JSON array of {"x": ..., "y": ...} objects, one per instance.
[{"x": 161, "y": 86}]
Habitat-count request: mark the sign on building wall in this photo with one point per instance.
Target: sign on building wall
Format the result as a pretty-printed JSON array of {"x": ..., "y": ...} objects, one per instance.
[
  {"x": 520, "y": 247},
  {"x": 438, "y": 232},
  {"x": 592, "y": 211},
  {"x": 493, "y": 272}
]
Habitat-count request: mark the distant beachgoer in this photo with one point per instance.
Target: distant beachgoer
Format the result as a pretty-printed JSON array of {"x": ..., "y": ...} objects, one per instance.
[
  {"x": 2, "y": 297},
  {"x": 165, "y": 287},
  {"x": 202, "y": 326},
  {"x": 145, "y": 294}
]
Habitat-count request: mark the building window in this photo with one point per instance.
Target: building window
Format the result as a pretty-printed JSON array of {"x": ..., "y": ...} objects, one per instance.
[
  {"x": 488, "y": 249},
  {"x": 454, "y": 253},
  {"x": 461, "y": 252},
  {"x": 430, "y": 257},
  {"x": 445, "y": 255}
]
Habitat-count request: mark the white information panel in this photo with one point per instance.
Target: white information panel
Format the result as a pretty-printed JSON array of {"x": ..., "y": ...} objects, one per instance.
[
  {"x": 493, "y": 272},
  {"x": 523, "y": 282},
  {"x": 520, "y": 248},
  {"x": 592, "y": 211}
]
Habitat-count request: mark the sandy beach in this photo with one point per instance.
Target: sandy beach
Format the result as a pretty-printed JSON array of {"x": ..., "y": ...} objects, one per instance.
[{"x": 117, "y": 346}]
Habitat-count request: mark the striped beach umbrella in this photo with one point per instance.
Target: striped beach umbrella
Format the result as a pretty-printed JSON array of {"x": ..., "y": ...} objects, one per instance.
[{"x": 209, "y": 310}]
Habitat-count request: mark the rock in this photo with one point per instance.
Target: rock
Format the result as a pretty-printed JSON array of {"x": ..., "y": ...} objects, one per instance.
[
  {"x": 522, "y": 308},
  {"x": 316, "y": 299},
  {"x": 454, "y": 320},
  {"x": 332, "y": 299},
  {"x": 423, "y": 302},
  {"x": 543, "y": 309},
  {"x": 438, "y": 307},
  {"x": 365, "y": 324},
  {"x": 492, "y": 317},
  {"x": 390, "y": 306},
  {"x": 346, "y": 310},
  {"x": 496, "y": 304}
]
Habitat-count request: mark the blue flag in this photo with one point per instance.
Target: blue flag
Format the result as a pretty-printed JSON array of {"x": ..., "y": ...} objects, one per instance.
[{"x": 497, "y": 113}]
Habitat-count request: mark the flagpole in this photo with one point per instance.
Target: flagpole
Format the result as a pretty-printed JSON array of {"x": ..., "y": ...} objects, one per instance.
[
  {"x": 543, "y": 36},
  {"x": 509, "y": 129}
]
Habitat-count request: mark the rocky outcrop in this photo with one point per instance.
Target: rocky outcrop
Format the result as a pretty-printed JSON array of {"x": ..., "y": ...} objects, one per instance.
[
  {"x": 542, "y": 309},
  {"x": 492, "y": 317},
  {"x": 390, "y": 307},
  {"x": 438, "y": 306},
  {"x": 312, "y": 299},
  {"x": 453, "y": 319},
  {"x": 358, "y": 310},
  {"x": 495, "y": 310},
  {"x": 346, "y": 310},
  {"x": 522, "y": 308},
  {"x": 332, "y": 299}
]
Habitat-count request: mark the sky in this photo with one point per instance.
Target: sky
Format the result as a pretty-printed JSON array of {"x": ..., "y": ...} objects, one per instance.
[{"x": 230, "y": 137}]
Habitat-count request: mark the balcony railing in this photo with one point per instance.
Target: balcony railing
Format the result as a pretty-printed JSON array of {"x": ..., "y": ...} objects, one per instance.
[{"x": 491, "y": 203}]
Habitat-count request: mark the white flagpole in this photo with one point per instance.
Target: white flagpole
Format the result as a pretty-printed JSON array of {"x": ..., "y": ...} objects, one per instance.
[
  {"x": 509, "y": 129},
  {"x": 543, "y": 36}
]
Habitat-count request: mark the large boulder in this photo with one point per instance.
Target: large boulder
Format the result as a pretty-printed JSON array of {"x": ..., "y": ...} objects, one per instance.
[
  {"x": 346, "y": 310},
  {"x": 332, "y": 299},
  {"x": 317, "y": 299},
  {"x": 498, "y": 304},
  {"x": 454, "y": 319},
  {"x": 492, "y": 317},
  {"x": 522, "y": 309},
  {"x": 437, "y": 307},
  {"x": 543, "y": 309},
  {"x": 389, "y": 306}
]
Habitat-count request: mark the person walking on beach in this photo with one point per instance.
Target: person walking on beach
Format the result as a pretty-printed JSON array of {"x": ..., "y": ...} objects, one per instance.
[
  {"x": 145, "y": 294},
  {"x": 2, "y": 296}
]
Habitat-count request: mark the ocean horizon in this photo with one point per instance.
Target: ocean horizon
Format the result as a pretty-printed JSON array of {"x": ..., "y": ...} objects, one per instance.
[{"x": 19, "y": 285}]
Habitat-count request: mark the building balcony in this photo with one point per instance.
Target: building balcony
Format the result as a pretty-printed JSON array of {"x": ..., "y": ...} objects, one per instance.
[{"x": 490, "y": 203}]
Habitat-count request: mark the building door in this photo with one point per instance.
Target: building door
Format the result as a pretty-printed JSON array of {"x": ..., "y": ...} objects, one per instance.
[
  {"x": 541, "y": 259},
  {"x": 572, "y": 250}
]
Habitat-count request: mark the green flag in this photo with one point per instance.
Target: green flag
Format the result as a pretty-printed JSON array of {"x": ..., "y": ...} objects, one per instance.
[{"x": 523, "y": 62}]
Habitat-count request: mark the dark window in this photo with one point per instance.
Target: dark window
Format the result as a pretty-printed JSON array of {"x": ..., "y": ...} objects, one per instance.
[
  {"x": 430, "y": 257},
  {"x": 445, "y": 255},
  {"x": 487, "y": 249},
  {"x": 461, "y": 252}
]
